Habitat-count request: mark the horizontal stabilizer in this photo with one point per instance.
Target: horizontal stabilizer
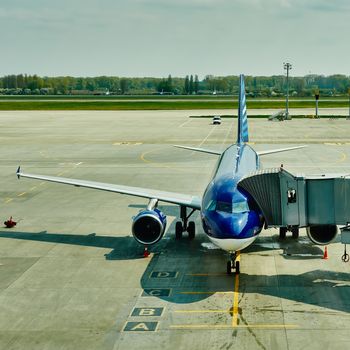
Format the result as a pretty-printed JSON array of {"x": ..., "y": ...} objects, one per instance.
[
  {"x": 204, "y": 150},
  {"x": 271, "y": 151}
]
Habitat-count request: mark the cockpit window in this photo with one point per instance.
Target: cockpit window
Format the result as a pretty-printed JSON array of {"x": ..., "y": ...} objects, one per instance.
[
  {"x": 224, "y": 206},
  {"x": 228, "y": 207},
  {"x": 211, "y": 205},
  {"x": 240, "y": 207}
]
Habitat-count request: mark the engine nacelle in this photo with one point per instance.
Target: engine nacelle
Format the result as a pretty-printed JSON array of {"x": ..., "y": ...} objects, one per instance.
[
  {"x": 148, "y": 226},
  {"x": 322, "y": 234}
]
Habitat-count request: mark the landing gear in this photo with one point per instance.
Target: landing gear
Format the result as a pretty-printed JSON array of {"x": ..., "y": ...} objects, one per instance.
[
  {"x": 184, "y": 225},
  {"x": 178, "y": 230},
  {"x": 293, "y": 229},
  {"x": 232, "y": 264},
  {"x": 191, "y": 229}
]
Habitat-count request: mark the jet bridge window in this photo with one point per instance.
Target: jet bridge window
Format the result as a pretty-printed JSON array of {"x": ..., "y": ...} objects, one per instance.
[{"x": 292, "y": 195}]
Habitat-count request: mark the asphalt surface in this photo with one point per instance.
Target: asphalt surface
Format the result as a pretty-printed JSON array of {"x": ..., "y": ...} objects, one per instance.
[{"x": 72, "y": 276}]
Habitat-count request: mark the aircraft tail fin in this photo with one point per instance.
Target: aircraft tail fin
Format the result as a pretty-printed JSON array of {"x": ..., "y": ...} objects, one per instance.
[{"x": 242, "y": 135}]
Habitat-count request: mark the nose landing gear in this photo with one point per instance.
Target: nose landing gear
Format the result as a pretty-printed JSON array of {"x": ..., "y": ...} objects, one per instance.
[
  {"x": 233, "y": 264},
  {"x": 184, "y": 225}
]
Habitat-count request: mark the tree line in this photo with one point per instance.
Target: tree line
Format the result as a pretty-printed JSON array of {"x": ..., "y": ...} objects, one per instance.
[{"x": 255, "y": 85}]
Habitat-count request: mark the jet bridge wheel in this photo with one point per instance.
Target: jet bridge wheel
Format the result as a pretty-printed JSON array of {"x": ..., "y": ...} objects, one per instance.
[
  {"x": 283, "y": 232},
  {"x": 178, "y": 230},
  {"x": 191, "y": 229},
  {"x": 295, "y": 232}
]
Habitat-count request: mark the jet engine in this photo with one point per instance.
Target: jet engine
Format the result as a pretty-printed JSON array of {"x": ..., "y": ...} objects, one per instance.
[
  {"x": 322, "y": 234},
  {"x": 148, "y": 226}
]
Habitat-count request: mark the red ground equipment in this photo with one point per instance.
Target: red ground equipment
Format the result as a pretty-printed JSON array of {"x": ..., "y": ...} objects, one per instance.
[{"x": 10, "y": 223}]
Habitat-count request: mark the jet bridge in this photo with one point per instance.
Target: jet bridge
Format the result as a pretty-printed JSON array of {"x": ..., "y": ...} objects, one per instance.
[{"x": 288, "y": 200}]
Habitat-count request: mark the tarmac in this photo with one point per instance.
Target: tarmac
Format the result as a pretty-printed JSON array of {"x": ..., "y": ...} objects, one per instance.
[{"x": 73, "y": 277}]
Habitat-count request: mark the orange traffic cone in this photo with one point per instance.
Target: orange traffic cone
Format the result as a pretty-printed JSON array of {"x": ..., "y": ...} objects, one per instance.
[
  {"x": 325, "y": 255},
  {"x": 146, "y": 253}
]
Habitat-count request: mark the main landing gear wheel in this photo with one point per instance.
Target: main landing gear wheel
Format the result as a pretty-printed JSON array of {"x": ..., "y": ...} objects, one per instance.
[
  {"x": 182, "y": 226},
  {"x": 232, "y": 264},
  {"x": 191, "y": 229},
  {"x": 178, "y": 230}
]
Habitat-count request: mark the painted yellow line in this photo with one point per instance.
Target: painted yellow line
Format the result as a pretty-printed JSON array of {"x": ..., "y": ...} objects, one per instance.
[
  {"x": 42, "y": 183},
  {"x": 205, "y": 274},
  {"x": 225, "y": 326},
  {"x": 8, "y": 200},
  {"x": 61, "y": 173},
  {"x": 342, "y": 158},
  {"x": 142, "y": 156},
  {"x": 207, "y": 292},
  {"x": 33, "y": 188},
  {"x": 156, "y": 164},
  {"x": 21, "y": 194},
  {"x": 235, "y": 296},
  {"x": 201, "y": 311}
]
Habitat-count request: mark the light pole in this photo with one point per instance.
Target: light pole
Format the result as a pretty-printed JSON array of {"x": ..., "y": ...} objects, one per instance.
[
  {"x": 317, "y": 96},
  {"x": 287, "y": 66},
  {"x": 349, "y": 104}
]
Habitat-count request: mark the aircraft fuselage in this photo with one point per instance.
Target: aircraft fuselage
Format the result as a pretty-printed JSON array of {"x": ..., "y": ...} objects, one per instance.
[{"x": 230, "y": 216}]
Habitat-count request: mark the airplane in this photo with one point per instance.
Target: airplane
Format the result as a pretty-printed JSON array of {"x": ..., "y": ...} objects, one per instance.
[{"x": 230, "y": 216}]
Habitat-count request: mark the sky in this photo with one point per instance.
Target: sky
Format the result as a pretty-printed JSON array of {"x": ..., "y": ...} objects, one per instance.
[{"x": 142, "y": 38}]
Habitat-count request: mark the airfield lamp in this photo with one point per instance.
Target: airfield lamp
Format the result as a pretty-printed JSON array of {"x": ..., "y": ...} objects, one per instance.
[
  {"x": 317, "y": 96},
  {"x": 349, "y": 104},
  {"x": 287, "y": 66}
]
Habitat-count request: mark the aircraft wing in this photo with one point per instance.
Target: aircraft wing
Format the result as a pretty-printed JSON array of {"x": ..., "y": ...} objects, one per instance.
[
  {"x": 193, "y": 202},
  {"x": 263, "y": 153}
]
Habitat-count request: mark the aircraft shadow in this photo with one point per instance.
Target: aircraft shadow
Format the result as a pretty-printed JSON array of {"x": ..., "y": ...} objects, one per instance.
[{"x": 199, "y": 269}]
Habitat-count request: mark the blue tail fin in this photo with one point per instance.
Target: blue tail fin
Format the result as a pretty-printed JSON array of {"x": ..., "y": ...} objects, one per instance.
[{"x": 242, "y": 113}]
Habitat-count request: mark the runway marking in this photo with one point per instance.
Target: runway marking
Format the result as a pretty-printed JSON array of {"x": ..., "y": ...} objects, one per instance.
[
  {"x": 207, "y": 292},
  {"x": 33, "y": 188},
  {"x": 225, "y": 326},
  {"x": 163, "y": 274},
  {"x": 127, "y": 143},
  {"x": 140, "y": 326},
  {"x": 160, "y": 165},
  {"x": 183, "y": 124},
  {"x": 147, "y": 311},
  {"x": 42, "y": 183},
  {"x": 201, "y": 311},
  {"x": 21, "y": 194},
  {"x": 8, "y": 200},
  {"x": 235, "y": 296},
  {"x": 156, "y": 292},
  {"x": 205, "y": 139}
]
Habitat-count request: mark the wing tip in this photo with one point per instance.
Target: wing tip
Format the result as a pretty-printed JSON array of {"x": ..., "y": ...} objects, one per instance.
[{"x": 18, "y": 172}]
